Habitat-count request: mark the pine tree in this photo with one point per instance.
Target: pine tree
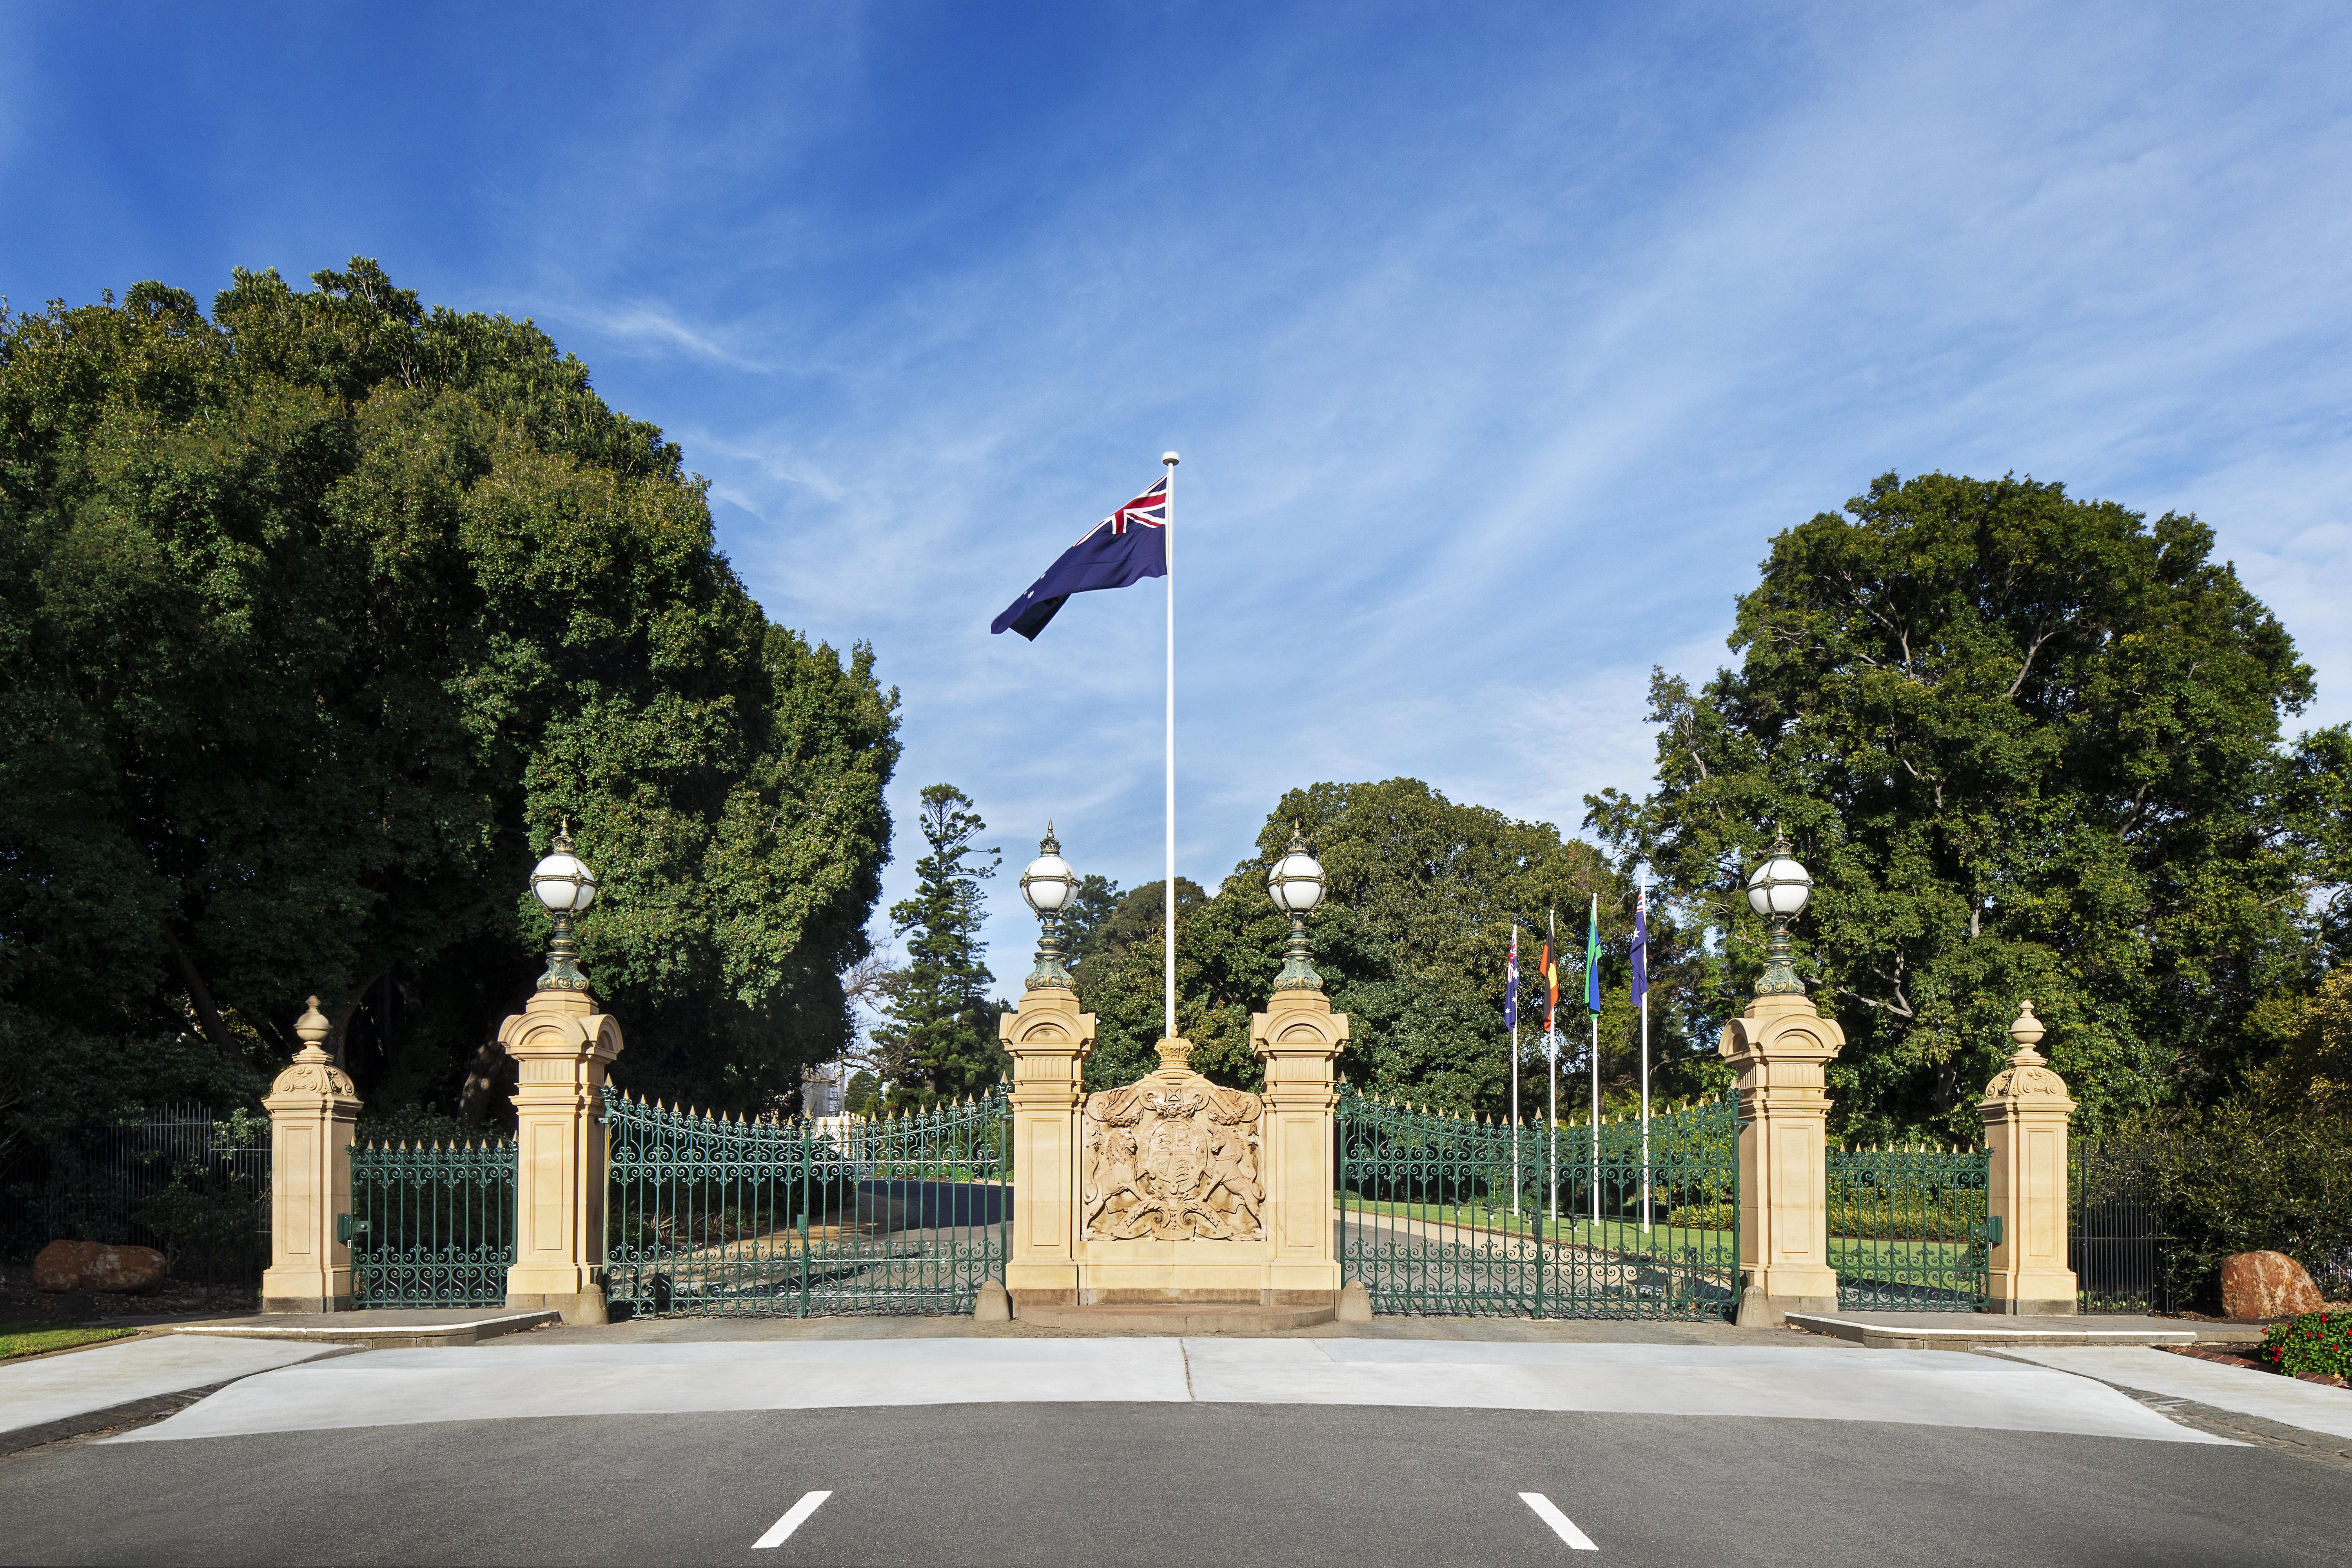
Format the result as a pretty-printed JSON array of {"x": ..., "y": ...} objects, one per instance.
[{"x": 938, "y": 1034}]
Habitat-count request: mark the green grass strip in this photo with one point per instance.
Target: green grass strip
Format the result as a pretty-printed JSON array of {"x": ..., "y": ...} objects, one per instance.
[{"x": 32, "y": 1339}]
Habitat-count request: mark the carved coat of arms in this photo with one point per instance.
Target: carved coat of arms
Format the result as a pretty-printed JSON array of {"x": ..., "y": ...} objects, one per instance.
[{"x": 1173, "y": 1156}]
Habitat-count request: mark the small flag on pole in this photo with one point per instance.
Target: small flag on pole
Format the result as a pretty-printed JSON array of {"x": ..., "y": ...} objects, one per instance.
[
  {"x": 1640, "y": 944},
  {"x": 1592, "y": 960},
  {"x": 1551, "y": 990},
  {"x": 1126, "y": 547},
  {"x": 1511, "y": 984}
]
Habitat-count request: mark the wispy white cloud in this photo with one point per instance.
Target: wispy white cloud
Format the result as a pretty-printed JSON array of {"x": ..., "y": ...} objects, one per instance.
[{"x": 1498, "y": 343}]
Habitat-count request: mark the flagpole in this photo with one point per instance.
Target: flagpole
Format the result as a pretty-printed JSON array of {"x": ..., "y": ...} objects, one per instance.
[
  {"x": 1168, "y": 556},
  {"x": 1515, "y": 1070},
  {"x": 1552, "y": 1076},
  {"x": 1594, "y": 986},
  {"x": 1643, "y": 897}
]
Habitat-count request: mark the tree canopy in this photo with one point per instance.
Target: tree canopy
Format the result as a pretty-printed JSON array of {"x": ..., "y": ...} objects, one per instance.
[
  {"x": 1410, "y": 940},
  {"x": 938, "y": 1036},
  {"x": 2029, "y": 746},
  {"x": 317, "y": 617}
]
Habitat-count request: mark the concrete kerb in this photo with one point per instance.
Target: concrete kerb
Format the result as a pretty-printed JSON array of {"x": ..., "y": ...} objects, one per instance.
[
  {"x": 378, "y": 1329},
  {"x": 47, "y": 1399},
  {"x": 1961, "y": 1330}
]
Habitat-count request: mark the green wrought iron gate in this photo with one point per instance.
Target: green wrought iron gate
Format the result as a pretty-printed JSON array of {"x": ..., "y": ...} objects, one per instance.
[
  {"x": 714, "y": 1216},
  {"x": 1446, "y": 1214},
  {"x": 1909, "y": 1230},
  {"x": 431, "y": 1225}
]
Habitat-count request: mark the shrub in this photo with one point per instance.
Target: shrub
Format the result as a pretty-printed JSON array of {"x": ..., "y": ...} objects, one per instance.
[
  {"x": 2318, "y": 1343},
  {"x": 2238, "y": 1177},
  {"x": 417, "y": 1125}
]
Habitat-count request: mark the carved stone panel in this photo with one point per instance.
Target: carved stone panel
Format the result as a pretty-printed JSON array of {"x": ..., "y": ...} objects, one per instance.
[{"x": 1173, "y": 1157}]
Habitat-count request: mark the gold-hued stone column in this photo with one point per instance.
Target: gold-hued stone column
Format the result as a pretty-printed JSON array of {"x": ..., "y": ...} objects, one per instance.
[
  {"x": 1049, "y": 1041},
  {"x": 1299, "y": 1037},
  {"x": 314, "y": 1112},
  {"x": 562, "y": 1048},
  {"x": 2026, "y": 1116},
  {"x": 1779, "y": 1047}
]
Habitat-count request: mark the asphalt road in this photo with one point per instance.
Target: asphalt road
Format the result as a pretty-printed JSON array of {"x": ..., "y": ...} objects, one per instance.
[{"x": 1221, "y": 1485}]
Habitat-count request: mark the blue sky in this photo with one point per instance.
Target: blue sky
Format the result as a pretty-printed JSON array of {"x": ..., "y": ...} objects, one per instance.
[{"x": 1498, "y": 339}]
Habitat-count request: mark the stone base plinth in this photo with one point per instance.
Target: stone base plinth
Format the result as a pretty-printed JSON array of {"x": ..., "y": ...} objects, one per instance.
[
  {"x": 1180, "y": 1316},
  {"x": 578, "y": 1307},
  {"x": 1761, "y": 1310}
]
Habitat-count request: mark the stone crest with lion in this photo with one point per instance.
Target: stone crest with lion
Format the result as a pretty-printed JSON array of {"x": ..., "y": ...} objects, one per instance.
[{"x": 1172, "y": 1157}]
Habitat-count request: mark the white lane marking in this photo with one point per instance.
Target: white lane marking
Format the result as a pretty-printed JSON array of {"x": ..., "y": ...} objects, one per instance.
[
  {"x": 1561, "y": 1525},
  {"x": 810, "y": 1502}
]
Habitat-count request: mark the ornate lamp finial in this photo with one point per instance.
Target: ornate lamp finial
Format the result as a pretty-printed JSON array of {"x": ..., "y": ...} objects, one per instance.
[
  {"x": 1296, "y": 886},
  {"x": 1048, "y": 886},
  {"x": 1778, "y": 890},
  {"x": 565, "y": 887}
]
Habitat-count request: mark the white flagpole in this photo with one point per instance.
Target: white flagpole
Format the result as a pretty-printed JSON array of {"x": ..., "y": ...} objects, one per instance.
[
  {"x": 1168, "y": 556},
  {"x": 1643, "y": 896},
  {"x": 1551, "y": 1075},
  {"x": 1596, "y": 1098},
  {"x": 1515, "y": 1074}
]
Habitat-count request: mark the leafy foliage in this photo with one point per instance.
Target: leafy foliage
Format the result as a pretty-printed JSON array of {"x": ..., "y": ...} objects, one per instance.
[
  {"x": 2028, "y": 747},
  {"x": 1096, "y": 900},
  {"x": 2316, "y": 1344},
  {"x": 1410, "y": 940},
  {"x": 2238, "y": 1177},
  {"x": 316, "y": 617},
  {"x": 938, "y": 1038}
]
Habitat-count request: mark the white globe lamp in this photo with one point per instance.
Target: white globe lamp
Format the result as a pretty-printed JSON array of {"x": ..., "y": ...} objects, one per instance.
[{"x": 1295, "y": 884}]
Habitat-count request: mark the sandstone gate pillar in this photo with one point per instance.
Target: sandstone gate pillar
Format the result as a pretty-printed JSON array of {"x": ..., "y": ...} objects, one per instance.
[
  {"x": 1049, "y": 1040},
  {"x": 1779, "y": 1047},
  {"x": 1299, "y": 1037},
  {"x": 313, "y": 1117},
  {"x": 2026, "y": 1115},
  {"x": 562, "y": 1048}
]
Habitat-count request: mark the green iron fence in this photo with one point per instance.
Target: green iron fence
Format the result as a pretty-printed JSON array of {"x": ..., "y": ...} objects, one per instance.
[
  {"x": 2119, "y": 1240},
  {"x": 194, "y": 1186},
  {"x": 714, "y": 1216},
  {"x": 1450, "y": 1216},
  {"x": 1909, "y": 1228},
  {"x": 432, "y": 1224}
]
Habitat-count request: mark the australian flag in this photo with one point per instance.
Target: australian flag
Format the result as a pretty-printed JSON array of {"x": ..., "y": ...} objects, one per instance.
[{"x": 1126, "y": 547}]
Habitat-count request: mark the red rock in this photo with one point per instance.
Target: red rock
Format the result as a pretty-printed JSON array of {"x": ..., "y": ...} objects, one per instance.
[
  {"x": 2266, "y": 1285},
  {"x": 97, "y": 1266},
  {"x": 59, "y": 1265}
]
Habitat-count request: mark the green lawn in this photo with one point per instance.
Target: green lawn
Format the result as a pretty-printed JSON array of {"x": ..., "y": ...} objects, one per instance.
[
  {"x": 32, "y": 1339},
  {"x": 1850, "y": 1255},
  {"x": 1616, "y": 1234}
]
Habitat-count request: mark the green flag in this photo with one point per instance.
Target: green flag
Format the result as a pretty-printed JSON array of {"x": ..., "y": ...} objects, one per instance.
[{"x": 1592, "y": 959}]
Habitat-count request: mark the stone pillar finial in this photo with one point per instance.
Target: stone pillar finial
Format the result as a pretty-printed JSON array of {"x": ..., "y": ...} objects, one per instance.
[
  {"x": 313, "y": 1117},
  {"x": 2027, "y": 1032},
  {"x": 2026, "y": 1114},
  {"x": 312, "y": 1029}
]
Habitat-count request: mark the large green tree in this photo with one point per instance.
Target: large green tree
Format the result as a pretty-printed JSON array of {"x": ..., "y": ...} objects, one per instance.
[
  {"x": 317, "y": 615},
  {"x": 938, "y": 1038},
  {"x": 1410, "y": 941},
  {"x": 2030, "y": 746}
]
